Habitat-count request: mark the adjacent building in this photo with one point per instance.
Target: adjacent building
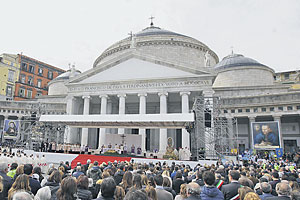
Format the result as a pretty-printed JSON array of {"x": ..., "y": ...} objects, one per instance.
[{"x": 33, "y": 78}]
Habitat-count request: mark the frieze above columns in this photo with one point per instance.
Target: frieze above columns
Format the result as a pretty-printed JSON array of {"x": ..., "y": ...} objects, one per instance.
[{"x": 141, "y": 85}]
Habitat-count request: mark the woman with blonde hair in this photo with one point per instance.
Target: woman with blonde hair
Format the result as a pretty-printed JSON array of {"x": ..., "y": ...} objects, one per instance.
[
  {"x": 144, "y": 181},
  {"x": 119, "y": 193},
  {"x": 251, "y": 196},
  {"x": 243, "y": 191},
  {"x": 151, "y": 192},
  {"x": 182, "y": 195},
  {"x": 19, "y": 171},
  {"x": 21, "y": 184}
]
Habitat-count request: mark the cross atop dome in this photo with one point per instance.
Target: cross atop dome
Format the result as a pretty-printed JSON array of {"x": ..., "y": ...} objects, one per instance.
[{"x": 151, "y": 19}]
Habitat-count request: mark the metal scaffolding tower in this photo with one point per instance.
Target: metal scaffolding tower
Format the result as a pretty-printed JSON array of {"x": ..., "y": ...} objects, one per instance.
[{"x": 212, "y": 135}]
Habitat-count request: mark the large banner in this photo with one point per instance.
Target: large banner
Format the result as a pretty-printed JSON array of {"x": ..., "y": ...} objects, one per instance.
[
  {"x": 266, "y": 135},
  {"x": 11, "y": 129}
]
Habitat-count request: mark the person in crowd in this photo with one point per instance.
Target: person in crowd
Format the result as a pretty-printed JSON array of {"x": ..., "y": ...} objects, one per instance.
[
  {"x": 251, "y": 196},
  {"x": 83, "y": 188},
  {"x": 19, "y": 170},
  {"x": 68, "y": 189},
  {"x": 193, "y": 191},
  {"x": 20, "y": 184},
  {"x": 53, "y": 182},
  {"x": 6, "y": 180},
  {"x": 22, "y": 196},
  {"x": 108, "y": 188},
  {"x": 136, "y": 195},
  {"x": 151, "y": 193},
  {"x": 86, "y": 166},
  {"x": 127, "y": 181},
  {"x": 266, "y": 189},
  {"x": 183, "y": 194},
  {"x": 119, "y": 193},
  {"x": 177, "y": 182},
  {"x": 13, "y": 169},
  {"x": 92, "y": 189},
  {"x": 231, "y": 190},
  {"x": 137, "y": 182},
  {"x": 34, "y": 184},
  {"x": 119, "y": 175},
  {"x": 43, "y": 194},
  {"x": 162, "y": 194},
  {"x": 283, "y": 190},
  {"x": 37, "y": 174},
  {"x": 242, "y": 191},
  {"x": 78, "y": 172},
  {"x": 95, "y": 172},
  {"x": 209, "y": 191},
  {"x": 168, "y": 186},
  {"x": 144, "y": 181}
]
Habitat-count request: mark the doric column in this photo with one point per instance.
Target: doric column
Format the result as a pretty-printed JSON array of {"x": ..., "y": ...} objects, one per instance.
[
  {"x": 103, "y": 111},
  {"x": 278, "y": 118},
  {"x": 250, "y": 136},
  {"x": 163, "y": 131},
  {"x": 86, "y": 110},
  {"x": 185, "y": 109},
  {"x": 121, "y": 110},
  {"x": 142, "y": 111}
]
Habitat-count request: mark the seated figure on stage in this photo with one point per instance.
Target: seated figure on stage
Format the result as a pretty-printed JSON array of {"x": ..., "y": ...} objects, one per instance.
[
  {"x": 139, "y": 150},
  {"x": 125, "y": 148},
  {"x": 109, "y": 146}
]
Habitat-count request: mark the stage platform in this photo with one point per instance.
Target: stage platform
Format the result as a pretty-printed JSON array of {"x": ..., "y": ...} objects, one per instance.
[{"x": 56, "y": 158}]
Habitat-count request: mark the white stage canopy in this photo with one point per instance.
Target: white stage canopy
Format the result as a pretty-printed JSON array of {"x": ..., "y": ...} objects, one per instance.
[{"x": 174, "y": 121}]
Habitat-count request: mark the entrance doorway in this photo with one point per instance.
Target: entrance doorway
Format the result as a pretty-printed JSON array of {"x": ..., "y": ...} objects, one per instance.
[{"x": 147, "y": 139}]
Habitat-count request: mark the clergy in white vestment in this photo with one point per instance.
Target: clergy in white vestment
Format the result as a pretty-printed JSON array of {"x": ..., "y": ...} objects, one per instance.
[{"x": 180, "y": 153}]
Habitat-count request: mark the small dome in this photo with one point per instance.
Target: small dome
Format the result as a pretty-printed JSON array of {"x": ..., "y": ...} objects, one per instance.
[
  {"x": 236, "y": 60},
  {"x": 66, "y": 75}
]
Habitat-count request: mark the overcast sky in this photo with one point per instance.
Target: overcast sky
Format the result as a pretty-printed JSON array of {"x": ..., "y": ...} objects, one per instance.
[{"x": 59, "y": 32}]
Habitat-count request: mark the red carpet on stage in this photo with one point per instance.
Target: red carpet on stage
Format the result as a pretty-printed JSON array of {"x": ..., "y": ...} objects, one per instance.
[{"x": 82, "y": 158}]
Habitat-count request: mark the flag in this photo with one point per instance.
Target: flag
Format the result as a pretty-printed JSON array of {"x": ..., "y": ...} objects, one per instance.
[{"x": 279, "y": 152}]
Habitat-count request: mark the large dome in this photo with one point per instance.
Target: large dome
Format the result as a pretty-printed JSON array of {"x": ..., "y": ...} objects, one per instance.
[
  {"x": 163, "y": 45},
  {"x": 235, "y": 70}
]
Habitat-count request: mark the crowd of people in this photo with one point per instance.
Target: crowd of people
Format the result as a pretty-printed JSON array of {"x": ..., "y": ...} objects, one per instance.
[{"x": 147, "y": 181}]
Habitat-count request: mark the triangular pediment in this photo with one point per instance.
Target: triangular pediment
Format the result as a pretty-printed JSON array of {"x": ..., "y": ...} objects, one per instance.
[
  {"x": 136, "y": 69},
  {"x": 130, "y": 67}
]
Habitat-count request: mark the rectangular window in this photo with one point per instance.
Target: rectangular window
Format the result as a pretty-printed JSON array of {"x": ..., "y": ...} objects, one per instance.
[
  {"x": 247, "y": 110},
  {"x": 9, "y": 90},
  {"x": 232, "y": 111},
  {"x": 22, "y": 92},
  {"x": 31, "y": 69},
  {"x": 24, "y": 66},
  {"x": 264, "y": 109},
  {"x": 280, "y": 108},
  {"x": 29, "y": 94},
  {"x": 272, "y": 109},
  {"x": 240, "y": 110},
  {"x": 23, "y": 78},
  {"x": 50, "y": 74},
  {"x": 290, "y": 108},
  {"x": 255, "y": 110},
  {"x": 11, "y": 75},
  {"x": 30, "y": 80},
  {"x": 39, "y": 83},
  {"x": 298, "y": 107},
  {"x": 225, "y": 111},
  {"x": 40, "y": 71}
]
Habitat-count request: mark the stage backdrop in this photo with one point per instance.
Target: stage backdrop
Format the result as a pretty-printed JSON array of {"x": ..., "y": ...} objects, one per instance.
[
  {"x": 266, "y": 135},
  {"x": 11, "y": 129}
]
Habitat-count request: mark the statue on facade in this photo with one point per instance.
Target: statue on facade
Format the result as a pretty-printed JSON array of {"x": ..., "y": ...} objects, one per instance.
[{"x": 207, "y": 59}]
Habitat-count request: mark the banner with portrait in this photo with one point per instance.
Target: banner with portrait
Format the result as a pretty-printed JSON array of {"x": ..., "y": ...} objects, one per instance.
[
  {"x": 266, "y": 135},
  {"x": 11, "y": 129}
]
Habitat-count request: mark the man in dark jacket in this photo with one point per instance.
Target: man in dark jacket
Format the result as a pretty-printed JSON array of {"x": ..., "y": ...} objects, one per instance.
[
  {"x": 6, "y": 180},
  {"x": 209, "y": 191},
  {"x": 95, "y": 173},
  {"x": 34, "y": 184},
  {"x": 108, "y": 187},
  {"x": 119, "y": 175},
  {"x": 177, "y": 182},
  {"x": 266, "y": 190},
  {"x": 283, "y": 190},
  {"x": 231, "y": 190}
]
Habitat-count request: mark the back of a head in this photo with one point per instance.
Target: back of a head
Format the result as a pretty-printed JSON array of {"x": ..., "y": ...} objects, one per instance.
[
  {"x": 252, "y": 196},
  {"x": 209, "y": 178},
  {"x": 243, "y": 191},
  {"x": 28, "y": 169},
  {"x": 43, "y": 193},
  {"x": 22, "y": 196},
  {"x": 166, "y": 182},
  {"x": 108, "y": 187},
  {"x": 136, "y": 195},
  {"x": 296, "y": 194},
  {"x": 283, "y": 189},
  {"x": 266, "y": 187},
  {"x": 158, "y": 180},
  {"x": 55, "y": 177},
  {"x": 193, "y": 189},
  {"x": 67, "y": 188},
  {"x": 3, "y": 166},
  {"x": 235, "y": 175},
  {"x": 96, "y": 163}
]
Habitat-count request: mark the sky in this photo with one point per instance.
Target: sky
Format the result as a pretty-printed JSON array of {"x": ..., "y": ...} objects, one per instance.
[{"x": 59, "y": 32}]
